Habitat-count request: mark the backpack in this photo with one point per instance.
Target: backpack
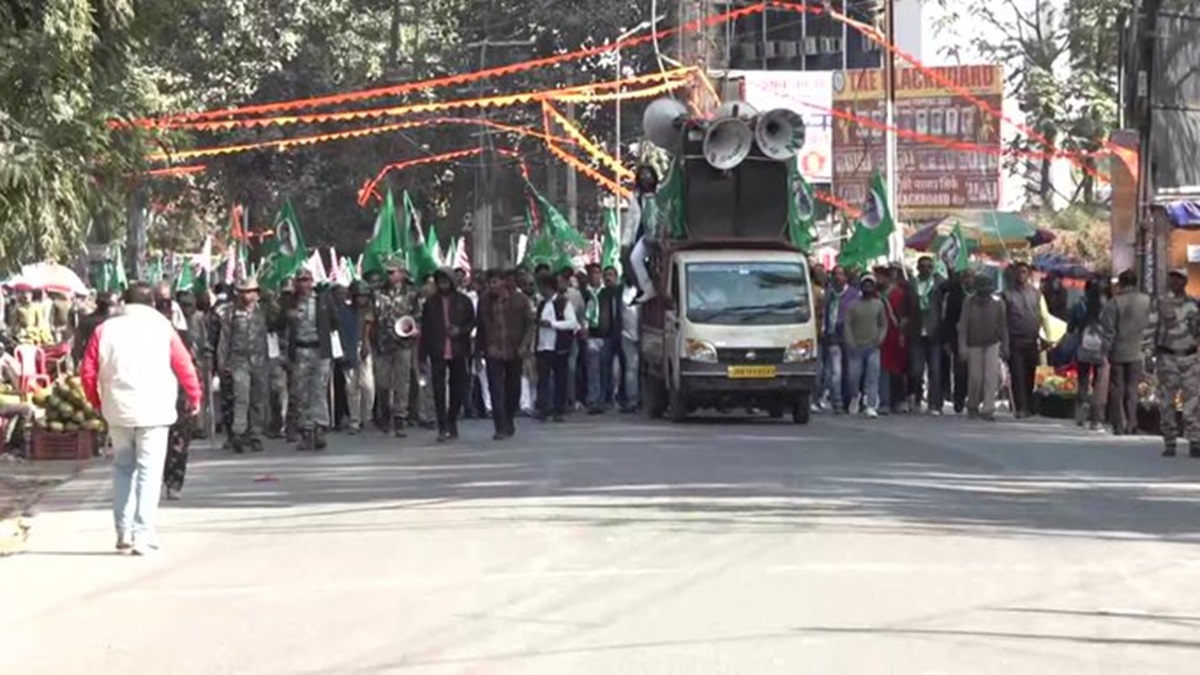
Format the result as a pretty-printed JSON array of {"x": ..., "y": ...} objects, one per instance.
[{"x": 1091, "y": 345}]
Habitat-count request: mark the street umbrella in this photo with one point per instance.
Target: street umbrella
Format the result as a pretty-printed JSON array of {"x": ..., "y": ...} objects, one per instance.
[
  {"x": 990, "y": 232},
  {"x": 48, "y": 276}
]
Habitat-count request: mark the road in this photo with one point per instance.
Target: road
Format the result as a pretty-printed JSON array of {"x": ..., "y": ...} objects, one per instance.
[{"x": 606, "y": 545}]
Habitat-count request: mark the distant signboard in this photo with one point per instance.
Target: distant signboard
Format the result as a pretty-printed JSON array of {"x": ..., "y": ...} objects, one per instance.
[
  {"x": 934, "y": 179},
  {"x": 808, "y": 93}
]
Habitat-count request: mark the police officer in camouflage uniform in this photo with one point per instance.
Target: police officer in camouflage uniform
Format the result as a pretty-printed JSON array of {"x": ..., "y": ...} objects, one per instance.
[
  {"x": 311, "y": 324},
  {"x": 1176, "y": 321},
  {"x": 283, "y": 422},
  {"x": 242, "y": 360},
  {"x": 395, "y": 355}
]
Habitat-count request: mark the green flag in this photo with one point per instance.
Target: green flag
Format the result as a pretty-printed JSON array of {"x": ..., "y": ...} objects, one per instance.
[
  {"x": 433, "y": 249},
  {"x": 802, "y": 210},
  {"x": 953, "y": 250},
  {"x": 610, "y": 247},
  {"x": 385, "y": 240},
  {"x": 154, "y": 271},
  {"x": 186, "y": 279},
  {"x": 554, "y": 232},
  {"x": 873, "y": 231},
  {"x": 417, "y": 256},
  {"x": 665, "y": 216},
  {"x": 286, "y": 252}
]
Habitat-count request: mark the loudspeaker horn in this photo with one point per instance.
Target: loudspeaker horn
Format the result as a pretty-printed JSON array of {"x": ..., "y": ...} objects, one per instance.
[
  {"x": 780, "y": 134},
  {"x": 662, "y": 122},
  {"x": 727, "y": 142},
  {"x": 739, "y": 109}
]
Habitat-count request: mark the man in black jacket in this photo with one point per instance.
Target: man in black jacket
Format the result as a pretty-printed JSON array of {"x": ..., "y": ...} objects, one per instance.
[{"x": 446, "y": 324}]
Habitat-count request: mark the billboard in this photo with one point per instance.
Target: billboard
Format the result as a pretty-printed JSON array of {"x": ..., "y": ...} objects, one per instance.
[
  {"x": 806, "y": 93},
  {"x": 934, "y": 180}
]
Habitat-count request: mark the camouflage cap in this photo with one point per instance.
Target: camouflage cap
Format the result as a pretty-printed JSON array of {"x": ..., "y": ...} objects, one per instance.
[{"x": 248, "y": 286}]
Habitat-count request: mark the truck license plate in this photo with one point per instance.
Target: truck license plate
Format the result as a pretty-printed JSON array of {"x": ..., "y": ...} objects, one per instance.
[{"x": 751, "y": 372}]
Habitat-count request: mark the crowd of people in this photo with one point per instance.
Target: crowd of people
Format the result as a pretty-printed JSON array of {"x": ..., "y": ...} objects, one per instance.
[{"x": 893, "y": 344}]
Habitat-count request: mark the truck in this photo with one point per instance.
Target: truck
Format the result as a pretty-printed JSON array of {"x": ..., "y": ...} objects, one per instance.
[
  {"x": 734, "y": 328},
  {"x": 732, "y": 324}
]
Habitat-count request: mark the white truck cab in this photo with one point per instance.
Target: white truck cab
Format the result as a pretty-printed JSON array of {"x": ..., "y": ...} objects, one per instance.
[{"x": 736, "y": 329}]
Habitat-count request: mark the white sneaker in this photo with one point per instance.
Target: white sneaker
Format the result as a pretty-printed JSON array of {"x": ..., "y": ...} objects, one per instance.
[
  {"x": 871, "y": 413},
  {"x": 854, "y": 406}
]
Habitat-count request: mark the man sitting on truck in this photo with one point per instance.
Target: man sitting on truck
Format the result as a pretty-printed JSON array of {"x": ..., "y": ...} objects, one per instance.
[{"x": 644, "y": 207}]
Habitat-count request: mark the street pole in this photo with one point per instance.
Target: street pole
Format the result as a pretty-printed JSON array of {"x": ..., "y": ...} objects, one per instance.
[
  {"x": 890, "y": 161},
  {"x": 620, "y": 88},
  {"x": 572, "y": 181}
]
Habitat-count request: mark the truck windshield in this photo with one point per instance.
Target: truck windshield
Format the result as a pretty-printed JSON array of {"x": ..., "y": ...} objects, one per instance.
[{"x": 747, "y": 293}]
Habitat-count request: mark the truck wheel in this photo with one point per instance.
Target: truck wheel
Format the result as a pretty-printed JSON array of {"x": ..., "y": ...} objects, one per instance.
[
  {"x": 677, "y": 406},
  {"x": 801, "y": 409},
  {"x": 654, "y": 398}
]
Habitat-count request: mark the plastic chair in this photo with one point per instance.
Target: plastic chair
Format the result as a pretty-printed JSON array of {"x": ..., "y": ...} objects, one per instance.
[{"x": 31, "y": 368}]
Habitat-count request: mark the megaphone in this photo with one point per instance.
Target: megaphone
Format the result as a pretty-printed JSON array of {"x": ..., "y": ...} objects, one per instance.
[
  {"x": 662, "y": 121},
  {"x": 780, "y": 134},
  {"x": 727, "y": 142},
  {"x": 738, "y": 109}
]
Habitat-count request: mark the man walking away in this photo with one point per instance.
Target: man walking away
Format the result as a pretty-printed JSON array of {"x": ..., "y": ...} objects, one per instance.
[
  {"x": 865, "y": 330},
  {"x": 1176, "y": 318},
  {"x": 1023, "y": 302},
  {"x": 1129, "y": 334},
  {"x": 1091, "y": 368},
  {"x": 983, "y": 344},
  {"x": 131, "y": 372},
  {"x": 506, "y": 329},
  {"x": 557, "y": 324},
  {"x": 446, "y": 324}
]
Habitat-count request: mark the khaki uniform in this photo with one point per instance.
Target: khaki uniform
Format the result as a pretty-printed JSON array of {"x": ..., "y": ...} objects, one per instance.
[
  {"x": 242, "y": 354},
  {"x": 1177, "y": 326},
  {"x": 394, "y": 357}
]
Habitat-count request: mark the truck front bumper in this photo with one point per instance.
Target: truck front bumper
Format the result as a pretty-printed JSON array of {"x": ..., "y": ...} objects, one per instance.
[{"x": 715, "y": 378}]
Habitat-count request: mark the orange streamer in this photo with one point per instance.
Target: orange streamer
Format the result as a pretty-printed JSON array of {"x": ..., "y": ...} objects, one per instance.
[
  {"x": 177, "y": 171},
  {"x": 285, "y": 143},
  {"x": 450, "y": 80},
  {"x": 364, "y": 194},
  {"x": 394, "y": 111}
]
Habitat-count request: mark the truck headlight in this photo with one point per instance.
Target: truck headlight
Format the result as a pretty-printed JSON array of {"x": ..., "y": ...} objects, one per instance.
[
  {"x": 802, "y": 350},
  {"x": 699, "y": 350}
]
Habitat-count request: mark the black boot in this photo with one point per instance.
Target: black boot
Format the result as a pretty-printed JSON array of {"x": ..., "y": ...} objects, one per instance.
[
  {"x": 398, "y": 429},
  {"x": 1169, "y": 450},
  {"x": 1194, "y": 450},
  {"x": 237, "y": 444},
  {"x": 319, "y": 442}
]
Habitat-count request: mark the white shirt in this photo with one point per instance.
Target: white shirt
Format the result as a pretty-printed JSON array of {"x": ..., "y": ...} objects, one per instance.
[
  {"x": 547, "y": 338},
  {"x": 630, "y": 219}
]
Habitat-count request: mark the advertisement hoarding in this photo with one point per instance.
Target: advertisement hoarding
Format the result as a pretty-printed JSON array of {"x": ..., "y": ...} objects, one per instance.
[
  {"x": 934, "y": 180},
  {"x": 806, "y": 93}
]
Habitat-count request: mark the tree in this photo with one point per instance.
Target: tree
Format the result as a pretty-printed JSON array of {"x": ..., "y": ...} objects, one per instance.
[{"x": 1062, "y": 69}]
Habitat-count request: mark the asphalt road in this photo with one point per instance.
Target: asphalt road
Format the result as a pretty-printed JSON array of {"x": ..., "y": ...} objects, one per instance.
[{"x": 911, "y": 545}]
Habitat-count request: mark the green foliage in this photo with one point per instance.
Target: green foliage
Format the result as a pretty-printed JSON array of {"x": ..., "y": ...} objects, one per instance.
[
  {"x": 1062, "y": 60},
  {"x": 67, "y": 67}
]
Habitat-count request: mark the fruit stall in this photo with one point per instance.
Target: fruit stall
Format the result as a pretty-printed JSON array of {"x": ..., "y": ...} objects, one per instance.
[
  {"x": 64, "y": 425},
  {"x": 1055, "y": 392}
]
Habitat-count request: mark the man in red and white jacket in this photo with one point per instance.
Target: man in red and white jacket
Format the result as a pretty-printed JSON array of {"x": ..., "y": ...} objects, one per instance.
[{"x": 131, "y": 372}]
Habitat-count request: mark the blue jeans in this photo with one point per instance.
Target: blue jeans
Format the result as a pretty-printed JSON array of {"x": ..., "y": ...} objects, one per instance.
[
  {"x": 610, "y": 355},
  {"x": 633, "y": 376},
  {"x": 865, "y": 361},
  {"x": 138, "y": 458},
  {"x": 832, "y": 371}
]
